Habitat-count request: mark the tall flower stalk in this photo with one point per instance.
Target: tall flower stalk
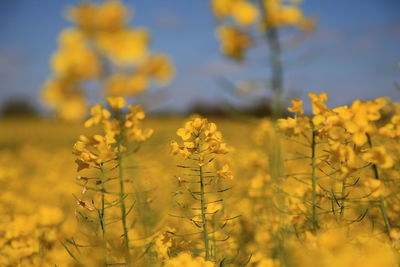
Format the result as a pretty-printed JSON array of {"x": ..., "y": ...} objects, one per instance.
[
  {"x": 105, "y": 153},
  {"x": 381, "y": 197},
  {"x": 203, "y": 144}
]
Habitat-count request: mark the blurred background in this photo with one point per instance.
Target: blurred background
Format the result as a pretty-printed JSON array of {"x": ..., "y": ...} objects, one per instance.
[{"x": 352, "y": 53}]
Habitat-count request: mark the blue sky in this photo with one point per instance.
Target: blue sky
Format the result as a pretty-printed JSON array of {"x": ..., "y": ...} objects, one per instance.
[{"x": 354, "y": 52}]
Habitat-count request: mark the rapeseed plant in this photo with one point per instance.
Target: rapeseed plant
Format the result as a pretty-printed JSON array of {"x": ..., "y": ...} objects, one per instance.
[
  {"x": 105, "y": 153},
  {"x": 101, "y": 47},
  {"x": 202, "y": 146}
]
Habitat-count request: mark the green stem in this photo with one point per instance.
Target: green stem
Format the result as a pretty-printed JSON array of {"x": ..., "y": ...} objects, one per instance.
[
  {"x": 215, "y": 246},
  {"x": 381, "y": 198},
  {"x": 275, "y": 63},
  {"x": 122, "y": 200},
  {"x": 102, "y": 214},
  {"x": 314, "y": 181},
  {"x": 384, "y": 214},
  {"x": 277, "y": 71},
  {"x": 342, "y": 199},
  {"x": 203, "y": 214}
]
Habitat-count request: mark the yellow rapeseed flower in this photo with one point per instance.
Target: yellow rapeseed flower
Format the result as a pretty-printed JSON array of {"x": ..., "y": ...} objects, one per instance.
[
  {"x": 74, "y": 59},
  {"x": 318, "y": 105},
  {"x": 99, "y": 115},
  {"x": 116, "y": 103},
  {"x": 225, "y": 172},
  {"x": 124, "y": 85},
  {"x": 297, "y": 106},
  {"x": 244, "y": 12},
  {"x": 83, "y": 15},
  {"x": 125, "y": 46},
  {"x": 234, "y": 42},
  {"x": 378, "y": 156},
  {"x": 157, "y": 66},
  {"x": 111, "y": 15},
  {"x": 185, "y": 259},
  {"x": 375, "y": 186},
  {"x": 73, "y": 108}
]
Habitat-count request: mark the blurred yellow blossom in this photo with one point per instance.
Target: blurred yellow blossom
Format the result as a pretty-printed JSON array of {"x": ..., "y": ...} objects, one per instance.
[
  {"x": 102, "y": 47},
  {"x": 124, "y": 46},
  {"x": 297, "y": 106},
  {"x": 234, "y": 43},
  {"x": 378, "y": 155},
  {"x": 116, "y": 103}
]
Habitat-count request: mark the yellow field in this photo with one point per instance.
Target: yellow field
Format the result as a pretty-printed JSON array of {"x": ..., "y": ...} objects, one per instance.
[
  {"x": 38, "y": 178},
  {"x": 49, "y": 217}
]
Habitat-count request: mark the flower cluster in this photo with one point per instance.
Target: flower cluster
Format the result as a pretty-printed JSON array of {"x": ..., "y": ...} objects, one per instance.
[
  {"x": 102, "y": 47},
  {"x": 200, "y": 137},
  {"x": 280, "y": 13},
  {"x": 99, "y": 149},
  {"x": 235, "y": 37},
  {"x": 345, "y": 147}
]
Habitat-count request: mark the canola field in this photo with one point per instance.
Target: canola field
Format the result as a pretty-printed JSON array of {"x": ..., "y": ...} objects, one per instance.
[
  {"x": 99, "y": 182},
  {"x": 170, "y": 191}
]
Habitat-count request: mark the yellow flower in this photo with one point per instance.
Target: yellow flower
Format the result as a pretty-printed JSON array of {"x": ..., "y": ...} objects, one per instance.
[
  {"x": 375, "y": 186},
  {"x": 318, "y": 119},
  {"x": 358, "y": 120},
  {"x": 318, "y": 106},
  {"x": 343, "y": 112},
  {"x": 71, "y": 38},
  {"x": 74, "y": 59},
  {"x": 186, "y": 153},
  {"x": 244, "y": 12},
  {"x": 139, "y": 135},
  {"x": 85, "y": 156},
  {"x": 199, "y": 124},
  {"x": 211, "y": 132},
  {"x": 185, "y": 259},
  {"x": 57, "y": 90},
  {"x": 233, "y": 42},
  {"x": 104, "y": 150},
  {"x": 189, "y": 145},
  {"x": 111, "y": 15},
  {"x": 342, "y": 154},
  {"x": 83, "y": 15},
  {"x": 72, "y": 109},
  {"x": 175, "y": 148},
  {"x": 193, "y": 133},
  {"x": 186, "y": 132},
  {"x": 294, "y": 126},
  {"x": 116, "y": 103},
  {"x": 221, "y": 8},
  {"x": 217, "y": 147},
  {"x": 132, "y": 124},
  {"x": 136, "y": 114},
  {"x": 297, "y": 106},
  {"x": 290, "y": 15},
  {"x": 125, "y": 46},
  {"x": 225, "y": 172},
  {"x": 124, "y": 85},
  {"x": 99, "y": 115},
  {"x": 280, "y": 14},
  {"x": 111, "y": 129},
  {"x": 359, "y": 138},
  {"x": 66, "y": 97},
  {"x": 158, "y": 67},
  {"x": 378, "y": 155}
]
